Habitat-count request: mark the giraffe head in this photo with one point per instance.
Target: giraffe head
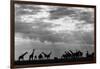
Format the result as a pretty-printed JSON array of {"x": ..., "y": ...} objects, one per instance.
[
  {"x": 26, "y": 52},
  {"x": 33, "y": 49}
]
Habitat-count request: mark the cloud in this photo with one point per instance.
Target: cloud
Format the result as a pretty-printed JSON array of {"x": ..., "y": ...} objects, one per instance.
[
  {"x": 26, "y": 12},
  {"x": 81, "y": 14},
  {"x": 37, "y": 31},
  {"x": 85, "y": 37},
  {"x": 84, "y": 14},
  {"x": 54, "y": 24},
  {"x": 61, "y": 12},
  {"x": 22, "y": 9},
  {"x": 23, "y": 27}
]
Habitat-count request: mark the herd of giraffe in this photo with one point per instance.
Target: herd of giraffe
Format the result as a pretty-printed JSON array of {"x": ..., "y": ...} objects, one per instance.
[
  {"x": 67, "y": 54},
  {"x": 31, "y": 56}
]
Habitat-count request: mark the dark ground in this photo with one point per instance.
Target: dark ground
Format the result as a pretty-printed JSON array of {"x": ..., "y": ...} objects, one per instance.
[{"x": 49, "y": 61}]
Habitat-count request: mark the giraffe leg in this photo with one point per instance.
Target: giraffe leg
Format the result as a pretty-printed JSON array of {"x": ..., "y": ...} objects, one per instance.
[
  {"x": 29, "y": 58},
  {"x": 23, "y": 59},
  {"x": 32, "y": 58}
]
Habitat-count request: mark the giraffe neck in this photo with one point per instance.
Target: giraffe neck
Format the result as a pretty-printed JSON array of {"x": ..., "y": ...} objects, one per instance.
[
  {"x": 44, "y": 54},
  {"x": 49, "y": 53},
  {"x": 71, "y": 52},
  {"x": 32, "y": 53},
  {"x": 24, "y": 54}
]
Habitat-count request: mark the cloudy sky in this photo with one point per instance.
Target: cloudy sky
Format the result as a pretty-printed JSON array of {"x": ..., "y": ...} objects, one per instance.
[{"x": 44, "y": 24}]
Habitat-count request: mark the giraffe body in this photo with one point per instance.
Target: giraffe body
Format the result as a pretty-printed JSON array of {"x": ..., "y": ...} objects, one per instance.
[
  {"x": 40, "y": 56},
  {"x": 22, "y": 56},
  {"x": 32, "y": 54},
  {"x": 46, "y": 55}
]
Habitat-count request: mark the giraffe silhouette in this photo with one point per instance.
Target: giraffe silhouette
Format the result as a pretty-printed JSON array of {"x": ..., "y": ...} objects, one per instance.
[
  {"x": 40, "y": 56},
  {"x": 31, "y": 55},
  {"x": 35, "y": 57},
  {"x": 63, "y": 56},
  {"x": 76, "y": 55},
  {"x": 66, "y": 55},
  {"x": 73, "y": 55},
  {"x": 89, "y": 55},
  {"x": 79, "y": 54},
  {"x": 46, "y": 55},
  {"x": 22, "y": 56}
]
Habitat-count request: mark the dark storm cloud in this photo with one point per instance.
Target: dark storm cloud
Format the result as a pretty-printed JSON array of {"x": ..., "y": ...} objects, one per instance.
[
  {"x": 61, "y": 12},
  {"x": 84, "y": 37},
  {"x": 47, "y": 35},
  {"x": 78, "y": 14},
  {"x": 57, "y": 13},
  {"x": 23, "y": 27},
  {"x": 32, "y": 27},
  {"x": 87, "y": 17},
  {"x": 43, "y": 25},
  {"x": 39, "y": 29},
  {"x": 22, "y": 9}
]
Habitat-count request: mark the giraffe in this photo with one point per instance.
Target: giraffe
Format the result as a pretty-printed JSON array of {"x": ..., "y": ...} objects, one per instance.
[
  {"x": 46, "y": 55},
  {"x": 35, "y": 57},
  {"x": 66, "y": 55},
  {"x": 79, "y": 54},
  {"x": 31, "y": 55},
  {"x": 72, "y": 55},
  {"x": 89, "y": 55},
  {"x": 40, "y": 56},
  {"x": 22, "y": 56}
]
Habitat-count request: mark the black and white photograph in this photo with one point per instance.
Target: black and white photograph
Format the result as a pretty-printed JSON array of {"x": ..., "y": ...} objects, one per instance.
[{"x": 47, "y": 34}]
